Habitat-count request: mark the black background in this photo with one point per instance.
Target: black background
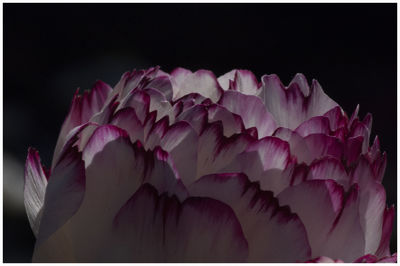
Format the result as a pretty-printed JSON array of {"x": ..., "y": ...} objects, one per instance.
[{"x": 51, "y": 49}]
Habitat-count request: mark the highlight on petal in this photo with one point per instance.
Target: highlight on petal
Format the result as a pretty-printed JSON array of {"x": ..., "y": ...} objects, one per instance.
[
  {"x": 201, "y": 81},
  {"x": 290, "y": 106},
  {"x": 34, "y": 189},
  {"x": 240, "y": 80},
  {"x": 251, "y": 110}
]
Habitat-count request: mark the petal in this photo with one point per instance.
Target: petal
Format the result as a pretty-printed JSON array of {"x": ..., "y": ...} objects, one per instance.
[
  {"x": 337, "y": 118},
  {"x": 273, "y": 233},
  {"x": 139, "y": 101},
  {"x": 346, "y": 239},
  {"x": 81, "y": 110},
  {"x": 159, "y": 103},
  {"x": 314, "y": 125},
  {"x": 226, "y": 79},
  {"x": 127, "y": 119},
  {"x": 152, "y": 228},
  {"x": 251, "y": 110},
  {"x": 156, "y": 132},
  {"x": 34, "y": 189},
  {"x": 196, "y": 116},
  {"x": 216, "y": 151},
  {"x": 290, "y": 106},
  {"x": 201, "y": 81},
  {"x": 317, "y": 203},
  {"x": 389, "y": 259},
  {"x": 267, "y": 161},
  {"x": 329, "y": 168},
  {"x": 64, "y": 193},
  {"x": 163, "y": 85},
  {"x": 300, "y": 81},
  {"x": 232, "y": 123},
  {"x": 369, "y": 258},
  {"x": 181, "y": 142},
  {"x": 243, "y": 81},
  {"x": 387, "y": 226}
]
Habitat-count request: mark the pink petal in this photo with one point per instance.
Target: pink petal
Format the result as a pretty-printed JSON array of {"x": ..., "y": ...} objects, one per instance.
[
  {"x": 34, "y": 189},
  {"x": 323, "y": 259},
  {"x": 251, "y": 110},
  {"x": 315, "y": 125},
  {"x": 83, "y": 107},
  {"x": 337, "y": 118},
  {"x": 152, "y": 228},
  {"x": 127, "y": 119},
  {"x": 64, "y": 194},
  {"x": 389, "y": 259},
  {"x": 300, "y": 81},
  {"x": 387, "y": 226},
  {"x": 290, "y": 106},
  {"x": 180, "y": 141},
  {"x": 159, "y": 103},
  {"x": 139, "y": 101},
  {"x": 273, "y": 233},
  {"x": 231, "y": 122},
  {"x": 317, "y": 203},
  {"x": 346, "y": 239},
  {"x": 216, "y": 151},
  {"x": 267, "y": 161},
  {"x": 201, "y": 81},
  {"x": 156, "y": 132},
  {"x": 243, "y": 81},
  {"x": 196, "y": 116},
  {"x": 329, "y": 168},
  {"x": 162, "y": 84}
]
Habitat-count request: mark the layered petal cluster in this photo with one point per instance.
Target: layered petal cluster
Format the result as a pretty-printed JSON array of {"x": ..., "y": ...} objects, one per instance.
[{"x": 187, "y": 167}]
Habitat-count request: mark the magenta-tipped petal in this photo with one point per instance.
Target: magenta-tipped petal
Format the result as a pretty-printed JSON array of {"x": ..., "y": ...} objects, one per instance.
[
  {"x": 64, "y": 193},
  {"x": 34, "y": 189},
  {"x": 153, "y": 228},
  {"x": 274, "y": 234},
  {"x": 252, "y": 111}
]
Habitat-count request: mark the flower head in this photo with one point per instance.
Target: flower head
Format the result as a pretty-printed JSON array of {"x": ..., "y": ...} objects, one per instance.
[{"x": 187, "y": 167}]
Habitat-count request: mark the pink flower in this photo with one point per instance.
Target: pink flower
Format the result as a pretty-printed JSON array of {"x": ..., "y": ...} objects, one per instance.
[{"x": 187, "y": 167}]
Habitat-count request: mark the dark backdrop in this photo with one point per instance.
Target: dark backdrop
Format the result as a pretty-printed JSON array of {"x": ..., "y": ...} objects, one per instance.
[{"x": 51, "y": 49}]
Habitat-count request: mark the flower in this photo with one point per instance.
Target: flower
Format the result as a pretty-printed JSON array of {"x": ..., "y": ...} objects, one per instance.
[{"x": 187, "y": 167}]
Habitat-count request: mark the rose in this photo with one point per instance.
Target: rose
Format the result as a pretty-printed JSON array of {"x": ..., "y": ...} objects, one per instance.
[{"x": 185, "y": 167}]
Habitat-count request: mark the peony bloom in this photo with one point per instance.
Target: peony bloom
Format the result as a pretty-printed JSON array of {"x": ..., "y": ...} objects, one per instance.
[{"x": 187, "y": 167}]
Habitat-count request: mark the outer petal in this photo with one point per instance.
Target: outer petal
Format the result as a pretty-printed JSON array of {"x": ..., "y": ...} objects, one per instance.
[
  {"x": 201, "y": 81},
  {"x": 317, "y": 203},
  {"x": 252, "y": 111},
  {"x": 64, "y": 193},
  {"x": 273, "y": 233},
  {"x": 346, "y": 239},
  {"x": 34, "y": 189},
  {"x": 384, "y": 246},
  {"x": 152, "y": 228}
]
